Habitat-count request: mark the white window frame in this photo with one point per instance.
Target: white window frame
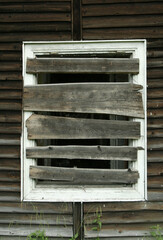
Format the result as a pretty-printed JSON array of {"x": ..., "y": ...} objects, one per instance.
[{"x": 138, "y": 192}]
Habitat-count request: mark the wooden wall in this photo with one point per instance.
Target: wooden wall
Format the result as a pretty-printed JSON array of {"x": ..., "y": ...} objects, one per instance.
[
  {"x": 40, "y": 20},
  {"x": 137, "y": 19},
  {"x": 25, "y": 20}
]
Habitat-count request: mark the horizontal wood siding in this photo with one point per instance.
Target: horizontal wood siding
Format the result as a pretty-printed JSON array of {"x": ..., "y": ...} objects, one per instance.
[
  {"x": 124, "y": 19},
  {"x": 25, "y": 21}
]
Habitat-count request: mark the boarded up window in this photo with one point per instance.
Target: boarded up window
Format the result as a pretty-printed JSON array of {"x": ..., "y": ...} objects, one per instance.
[{"x": 84, "y": 121}]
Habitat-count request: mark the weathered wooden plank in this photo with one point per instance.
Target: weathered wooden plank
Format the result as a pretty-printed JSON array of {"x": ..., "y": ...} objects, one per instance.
[
  {"x": 10, "y": 105},
  {"x": 34, "y": 17},
  {"x": 10, "y": 128},
  {"x": 155, "y": 195},
  {"x": 154, "y": 113},
  {"x": 83, "y": 65},
  {"x": 155, "y": 93},
  {"x": 10, "y": 176},
  {"x": 35, "y": 27},
  {"x": 128, "y": 231},
  {"x": 155, "y": 182},
  {"x": 9, "y": 151},
  {"x": 120, "y": 99},
  {"x": 154, "y": 73},
  {"x": 31, "y": 207},
  {"x": 122, "y": 206},
  {"x": 9, "y": 197},
  {"x": 84, "y": 152},
  {"x": 36, "y": 7},
  {"x": 115, "y": 1},
  {"x": 24, "y": 230},
  {"x": 10, "y": 94},
  {"x": 10, "y": 47},
  {"x": 8, "y": 116},
  {"x": 51, "y": 127},
  {"x": 121, "y": 33},
  {"x": 35, "y": 36},
  {"x": 155, "y": 123},
  {"x": 155, "y": 169},
  {"x": 155, "y": 133},
  {"x": 155, "y": 103},
  {"x": 84, "y": 176},
  {"x": 10, "y": 164},
  {"x": 123, "y": 21},
  {"x": 155, "y": 156},
  {"x": 10, "y": 66},
  {"x": 125, "y": 217},
  {"x": 36, "y": 218},
  {"x": 11, "y": 76},
  {"x": 10, "y": 187},
  {"x": 9, "y": 56},
  {"x": 154, "y": 53},
  {"x": 13, "y": 85},
  {"x": 155, "y": 83},
  {"x": 122, "y": 9},
  {"x": 155, "y": 143}
]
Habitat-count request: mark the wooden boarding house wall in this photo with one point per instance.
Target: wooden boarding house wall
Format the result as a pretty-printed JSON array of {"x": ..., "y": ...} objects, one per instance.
[{"x": 64, "y": 20}]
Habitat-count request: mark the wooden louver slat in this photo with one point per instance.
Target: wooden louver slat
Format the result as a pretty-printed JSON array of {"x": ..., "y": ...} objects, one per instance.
[
  {"x": 83, "y": 65},
  {"x": 123, "y": 153},
  {"x": 120, "y": 98},
  {"x": 51, "y": 127},
  {"x": 84, "y": 176}
]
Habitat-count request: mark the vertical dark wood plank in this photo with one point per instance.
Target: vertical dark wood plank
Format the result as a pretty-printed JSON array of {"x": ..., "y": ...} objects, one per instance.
[
  {"x": 76, "y": 20},
  {"x": 78, "y": 220}
]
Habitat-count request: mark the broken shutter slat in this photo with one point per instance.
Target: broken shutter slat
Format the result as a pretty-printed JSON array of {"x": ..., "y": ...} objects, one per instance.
[
  {"x": 84, "y": 176},
  {"x": 51, "y": 127},
  {"x": 120, "y": 98},
  {"x": 83, "y": 65},
  {"x": 123, "y": 153}
]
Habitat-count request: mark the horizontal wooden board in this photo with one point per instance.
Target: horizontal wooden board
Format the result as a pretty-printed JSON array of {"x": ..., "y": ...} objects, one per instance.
[
  {"x": 155, "y": 156},
  {"x": 9, "y": 56},
  {"x": 35, "y": 7},
  {"x": 155, "y": 113},
  {"x": 22, "y": 230},
  {"x": 84, "y": 176},
  {"x": 11, "y": 76},
  {"x": 34, "y": 17},
  {"x": 36, "y": 218},
  {"x": 155, "y": 103},
  {"x": 155, "y": 169},
  {"x": 114, "y": 1},
  {"x": 51, "y": 127},
  {"x": 35, "y": 36},
  {"x": 123, "y": 21},
  {"x": 155, "y": 195},
  {"x": 10, "y": 66},
  {"x": 155, "y": 133},
  {"x": 123, "y": 231},
  {"x": 9, "y": 176},
  {"x": 155, "y": 123},
  {"x": 10, "y": 94},
  {"x": 12, "y": 85},
  {"x": 121, "y": 33},
  {"x": 83, "y": 65},
  {"x": 155, "y": 143},
  {"x": 9, "y": 151},
  {"x": 119, "y": 99},
  {"x": 35, "y": 27},
  {"x": 9, "y": 116},
  {"x": 155, "y": 182},
  {"x": 155, "y": 83},
  {"x": 8, "y": 164},
  {"x": 84, "y": 152},
  {"x": 122, "y": 9},
  {"x": 154, "y": 53},
  {"x": 10, "y": 105},
  {"x": 154, "y": 73},
  {"x": 155, "y": 93},
  {"x": 124, "y": 217},
  {"x": 10, "y": 47},
  {"x": 10, "y": 128},
  {"x": 122, "y": 207}
]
